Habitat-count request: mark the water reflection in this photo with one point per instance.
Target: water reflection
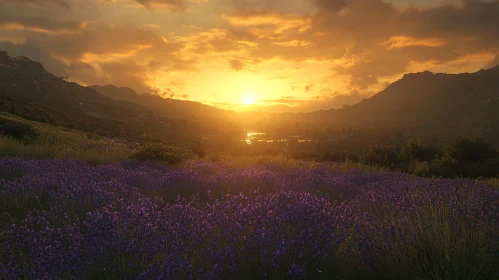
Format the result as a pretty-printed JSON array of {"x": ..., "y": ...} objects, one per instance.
[{"x": 261, "y": 137}]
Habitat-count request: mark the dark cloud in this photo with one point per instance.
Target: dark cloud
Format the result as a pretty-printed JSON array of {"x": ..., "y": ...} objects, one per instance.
[
  {"x": 256, "y": 5},
  {"x": 236, "y": 64},
  {"x": 378, "y": 39},
  {"x": 100, "y": 39},
  {"x": 76, "y": 71},
  {"x": 331, "y": 5},
  {"x": 61, "y": 3},
  {"x": 100, "y": 54},
  {"x": 438, "y": 34},
  {"x": 43, "y": 24},
  {"x": 86, "y": 74},
  {"x": 476, "y": 19},
  {"x": 33, "y": 51},
  {"x": 127, "y": 73}
]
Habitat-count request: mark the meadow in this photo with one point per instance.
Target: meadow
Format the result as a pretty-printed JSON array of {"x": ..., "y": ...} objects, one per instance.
[
  {"x": 80, "y": 206},
  {"x": 213, "y": 220},
  {"x": 40, "y": 140}
]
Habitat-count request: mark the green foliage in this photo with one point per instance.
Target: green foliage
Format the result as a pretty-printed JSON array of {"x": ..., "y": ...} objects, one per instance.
[
  {"x": 494, "y": 182},
  {"x": 162, "y": 153},
  {"x": 57, "y": 142},
  {"x": 468, "y": 150},
  {"x": 419, "y": 168},
  {"x": 429, "y": 244},
  {"x": 463, "y": 157}
]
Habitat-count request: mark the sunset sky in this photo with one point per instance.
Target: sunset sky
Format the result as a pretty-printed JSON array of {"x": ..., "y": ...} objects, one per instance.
[{"x": 305, "y": 54}]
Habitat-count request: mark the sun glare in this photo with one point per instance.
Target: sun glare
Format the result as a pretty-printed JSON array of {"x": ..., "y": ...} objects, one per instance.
[{"x": 249, "y": 100}]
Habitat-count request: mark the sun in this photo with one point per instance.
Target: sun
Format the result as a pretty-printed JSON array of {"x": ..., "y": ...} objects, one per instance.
[{"x": 249, "y": 100}]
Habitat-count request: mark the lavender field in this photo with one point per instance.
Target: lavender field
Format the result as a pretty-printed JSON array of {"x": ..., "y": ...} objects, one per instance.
[{"x": 205, "y": 220}]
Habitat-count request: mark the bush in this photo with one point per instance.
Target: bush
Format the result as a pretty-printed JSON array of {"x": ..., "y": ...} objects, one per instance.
[
  {"x": 24, "y": 133},
  {"x": 445, "y": 167},
  {"x": 92, "y": 136},
  {"x": 336, "y": 156},
  {"x": 488, "y": 168},
  {"x": 470, "y": 150},
  {"x": 304, "y": 155},
  {"x": 215, "y": 158},
  {"x": 352, "y": 157},
  {"x": 162, "y": 153},
  {"x": 419, "y": 168},
  {"x": 420, "y": 152},
  {"x": 389, "y": 156},
  {"x": 199, "y": 151}
]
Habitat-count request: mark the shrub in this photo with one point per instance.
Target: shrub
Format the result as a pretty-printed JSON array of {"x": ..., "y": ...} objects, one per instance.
[
  {"x": 419, "y": 168},
  {"x": 445, "y": 167},
  {"x": 199, "y": 151},
  {"x": 470, "y": 150},
  {"x": 92, "y": 136},
  {"x": 389, "y": 156},
  {"x": 487, "y": 168},
  {"x": 352, "y": 157},
  {"x": 163, "y": 153},
  {"x": 332, "y": 156},
  {"x": 420, "y": 152},
  {"x": 22, "y": 132},
  {"x": 215, "y": 158},
  {"x": 304, "y": 155}
]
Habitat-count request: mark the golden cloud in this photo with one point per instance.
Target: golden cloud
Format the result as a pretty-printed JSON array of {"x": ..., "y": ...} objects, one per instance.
[{"x": 406, "y": 41}]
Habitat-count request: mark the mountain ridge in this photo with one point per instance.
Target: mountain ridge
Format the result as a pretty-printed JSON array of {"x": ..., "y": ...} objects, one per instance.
[
  {"x": 29, "y": 91},
  {"x": 423, "y": 103},
  {"x": 164, "y": 106}
]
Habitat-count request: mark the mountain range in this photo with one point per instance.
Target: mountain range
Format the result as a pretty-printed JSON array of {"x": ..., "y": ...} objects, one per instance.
[
  {"x": 443, "y": 104},
  {"x": 421, "y": 103}
]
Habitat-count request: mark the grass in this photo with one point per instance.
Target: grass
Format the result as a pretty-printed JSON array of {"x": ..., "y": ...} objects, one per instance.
[
  {"x": 494, "y": 182},
  {"x": 57, "y": 142},
  {"x": 286, "y": 161},
  {"x": 243, "y": 161}
]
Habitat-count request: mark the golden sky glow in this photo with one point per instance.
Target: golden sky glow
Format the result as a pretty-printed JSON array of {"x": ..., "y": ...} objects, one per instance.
[{"x": 294, "y": 55}]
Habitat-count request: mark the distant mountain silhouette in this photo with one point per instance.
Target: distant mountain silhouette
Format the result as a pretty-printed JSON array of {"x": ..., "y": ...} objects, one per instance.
[
  {"x": 449, "y": 103},
  {"x": 166, "y": 107},
  {"x": 423, "y": 104},
  {"x": 28, "y": 90}
]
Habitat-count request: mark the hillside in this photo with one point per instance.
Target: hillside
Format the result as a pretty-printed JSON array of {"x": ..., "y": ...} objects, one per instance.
[
  {"x": 167, "y": 107},
  {"x": 29, "y": 91},
  {"x": 444, "y": 104}
]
